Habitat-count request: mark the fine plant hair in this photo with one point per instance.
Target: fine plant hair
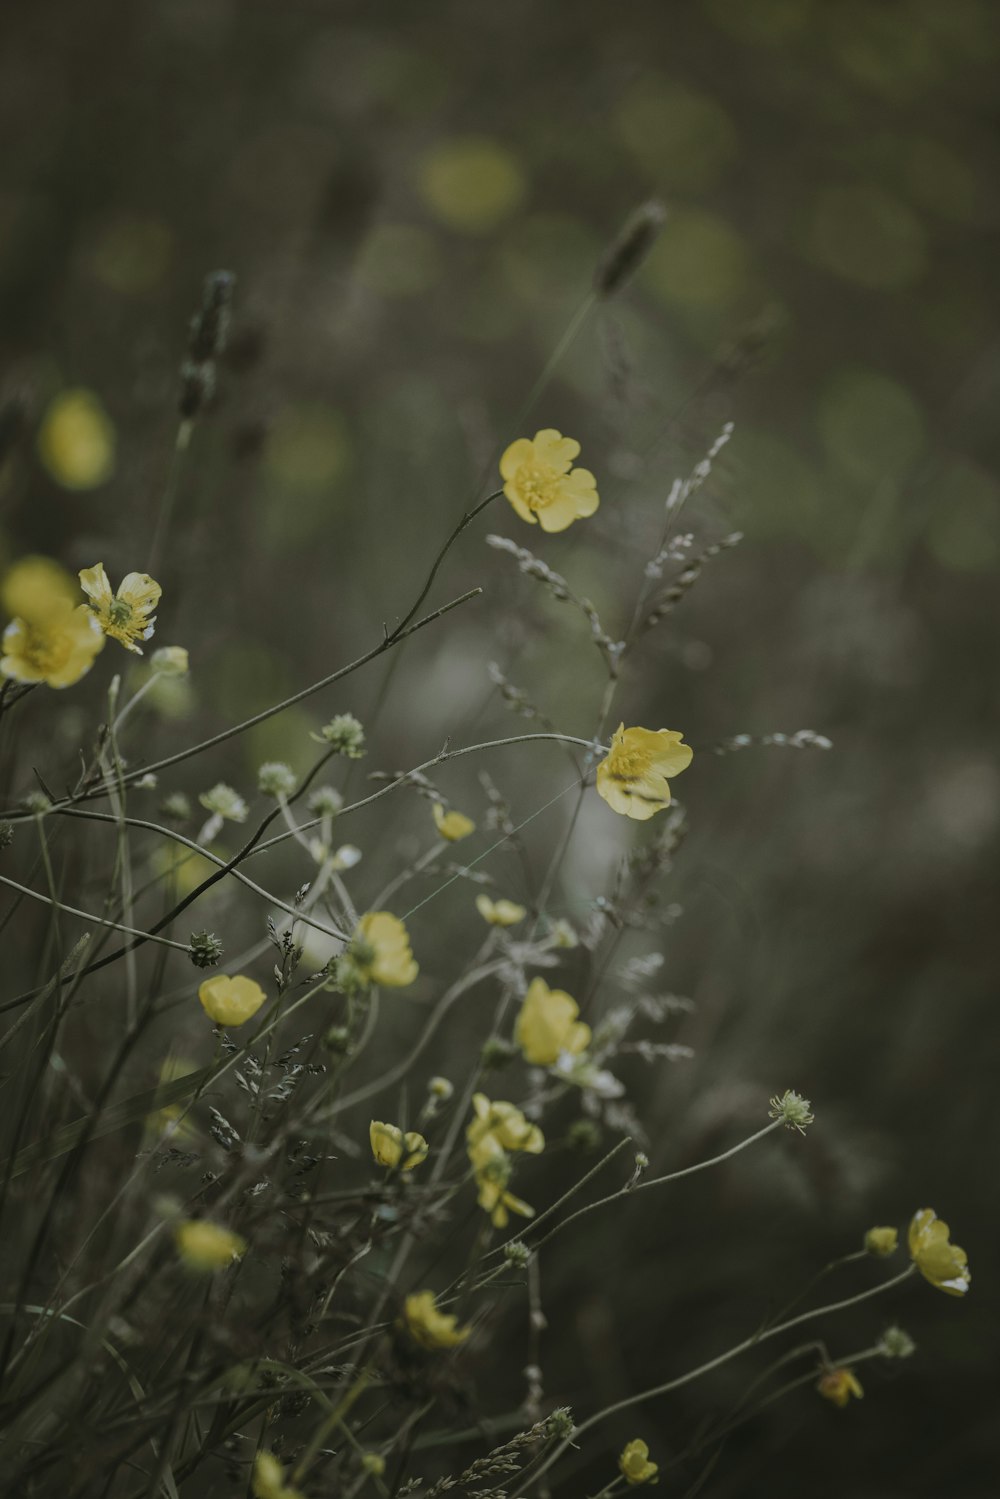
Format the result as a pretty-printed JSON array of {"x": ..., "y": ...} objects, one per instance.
[{"x": 217, "y": 1230}]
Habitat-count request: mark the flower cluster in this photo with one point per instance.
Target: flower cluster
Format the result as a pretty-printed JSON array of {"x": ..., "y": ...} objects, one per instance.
[{"x": 499, "y": 1130}]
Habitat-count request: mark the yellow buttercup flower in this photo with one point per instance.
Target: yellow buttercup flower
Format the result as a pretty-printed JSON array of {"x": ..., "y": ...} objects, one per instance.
[
  {"x": 429, "y": 1327},
  {"x": 380, "y": 951},
  {"x": 57, "y": 649},
  {"x": 498, "y": 1128},
  {"x": 452, "y": 825},
  {"x": 938, "y": 1260},
  {"x": 493, "y": 1169},
  {"x": 76, "y": 440},
  {"x": 881, "y": 1241},
  {"x": 541, "y": 483},
  {"x": 230, "y": 1001},
  {"x": 838, "y": 1385},
  {"x": 632, "y": 778},
  {"x": 204, "y": 1246},
  {"x": 268, "y": 1480},
  {"x": 389, "y": 1144},
  {"x": 507, "y": 1125},
  {"x": 500, "y": 912},
  {"x": 635, "y": 1465},
  {"x": 547, "y": 1025},
  {"x": 124, "y": 615},
  {"x": 35, "y": 587}
]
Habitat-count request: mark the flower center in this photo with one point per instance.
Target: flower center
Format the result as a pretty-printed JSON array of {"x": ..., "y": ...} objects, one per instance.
[
  {"x": 46, "y": 650},
  {"x": 537, "y": 484},
  {"x": 628, "y": 765},
  {"x": 119, "y": 612}
]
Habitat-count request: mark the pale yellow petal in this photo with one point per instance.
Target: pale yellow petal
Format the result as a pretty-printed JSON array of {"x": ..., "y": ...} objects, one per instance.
[{"x": 519, "y": 453}]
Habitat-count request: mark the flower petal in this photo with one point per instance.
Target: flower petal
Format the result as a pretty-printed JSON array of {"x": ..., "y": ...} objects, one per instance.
[{"x": 519, "y": 452}]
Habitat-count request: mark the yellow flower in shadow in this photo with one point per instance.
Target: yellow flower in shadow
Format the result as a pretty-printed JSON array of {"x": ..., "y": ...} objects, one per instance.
[
  {"x": 389, "y": 1144},
  {"x": 204, "y": 1246},
  {"x": 547, "y": 1025},
  {"x": 938, "y": 1260},
  {"x": 431, "y": 1328},
  {"x": 633, "y": 777},
  {"x": 635, "y": 1465},
  {"x": 838, "y": 1385},
  {"x": 541, "y": 483},
  {"x": 124, "y": 615},
  {"x": 76, "y": 441},
  {"x": 452, "y": 825}
]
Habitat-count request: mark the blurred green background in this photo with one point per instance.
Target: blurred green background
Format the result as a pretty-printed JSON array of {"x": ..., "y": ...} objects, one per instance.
[{"x": 413, "y": 199}]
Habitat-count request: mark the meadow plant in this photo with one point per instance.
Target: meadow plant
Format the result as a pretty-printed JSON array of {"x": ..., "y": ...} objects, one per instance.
[{"x": 249, "y": 1247}]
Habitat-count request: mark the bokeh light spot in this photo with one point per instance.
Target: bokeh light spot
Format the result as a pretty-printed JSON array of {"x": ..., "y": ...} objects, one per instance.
[
  {"x": 870, "y": 424},
  {"x": 867, "y": 236},
  {"x": 471, "y": 184},
  {"x": 681, "y": 136},
  {"x": 76, "y": 440}
]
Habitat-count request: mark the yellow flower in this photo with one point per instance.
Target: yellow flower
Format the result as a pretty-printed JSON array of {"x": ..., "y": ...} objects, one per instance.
[
  {"x": 635, "y": 1465},
  {"x": 499, "y": 1127},
  {"x": 381, "y": 951},
  {"x": 881, "y": 1241},
  {"x": 493, "y": 1168},
  {"x": 632, "y": 778},
  {"x": 230, "y": 1001},
  {"x": 452, "y": 825},
  {"x": 269, "y": 1479},
  {"x": 124, "y": 615},
  {"x": 939, "y": 1261},
  {"x": 170, "y": 661},
  {"x": 205, "y": 1246},
  {"x": 76, "y": 440},
  {"x": 838, "y": 1385},
  {"x": 58, "y": 649},
  {"x": 500, "y": 912},
  {"x": 388, "y": 1144},
  {"x": 547, "y": 1025},
  {"x": 429, "y": 1327},
  {"x": 541, "y": 483},
  {"x": 506, "y": 1124},
  {"x": 35, "y": 587}
]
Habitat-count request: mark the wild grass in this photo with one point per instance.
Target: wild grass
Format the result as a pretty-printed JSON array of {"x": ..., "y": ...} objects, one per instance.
[{"x": 252, "y": 1242}]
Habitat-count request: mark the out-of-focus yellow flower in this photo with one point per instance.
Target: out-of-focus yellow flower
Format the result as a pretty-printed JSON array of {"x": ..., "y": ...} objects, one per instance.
[
  {"x": 452, "y": 825},
  {"x": 505, "y": 1122},
  {"x": 881, "y": 1241},
  {"x": 938, "y": 1260},
  {"x": 633, "y": 777},
  {"x": 35, "y": 587},
  {"x": 429, "y": 1327},
  {"x": 498, "y": 1128},
  {"x": 269, "y": 1479},
  {"x": 381, "y": 952},
  {"x": 541, "y": 483},
  {"x": 547, "y": 1025},
  {"x": 500, "y": 912},
  {"x": 471, "y": 183},
  {"x": 493, "y": 1168},
  {"x": 124, "y": 615},
  {"x": 838, "y": 1385},
  {"x": 76, "y": 441},
  {"x": 635, "y": 1465},
  {"x": 205, "y": 1246},
  {"x": 171, "y": 1120},
  {"x": 230, "y": 1001},
  {"x": 170, "y": 661},
  {"x": 58, "y": 649},
  {"x": 389, "y": 1143}
]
